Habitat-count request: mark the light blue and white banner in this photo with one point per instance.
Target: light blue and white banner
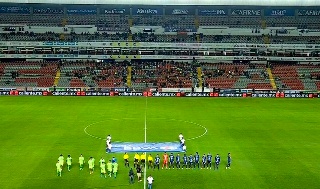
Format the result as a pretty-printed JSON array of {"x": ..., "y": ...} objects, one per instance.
[{"x": 146, "y": 147}]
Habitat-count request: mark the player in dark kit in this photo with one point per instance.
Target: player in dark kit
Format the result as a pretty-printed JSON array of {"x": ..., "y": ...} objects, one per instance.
[
  {"x": 228, "y": 161},
  {"x": 204, "y": 161},
  {"x": 197, "y": 160},
  {"x": 178, "y": 161},
  {"x": 157, "y": 162},
  {"x": 217, "y": 162},
  {"x": 185, "y": 161},
  {"x": 191, "y": 161},
  {"x": 209, "y": 161},
  {"x": 171, "y": 161}
]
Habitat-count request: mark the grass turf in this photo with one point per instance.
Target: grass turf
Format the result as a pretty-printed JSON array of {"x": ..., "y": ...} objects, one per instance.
[{"x": 274, "y": 143}]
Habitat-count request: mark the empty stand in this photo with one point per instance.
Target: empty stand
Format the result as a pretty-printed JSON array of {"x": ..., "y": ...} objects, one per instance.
[{"x": 28, "y": 74}]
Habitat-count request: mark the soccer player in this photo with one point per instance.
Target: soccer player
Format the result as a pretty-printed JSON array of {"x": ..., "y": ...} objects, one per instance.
[
  {"x": 93, "y": 160},
  {"x": 61, "y": 160},
  {"x": 113, "y": 160},
  {"x": 204, "y": 161},
  {"x": 126, "y": 159},
  {"x": 109, "y": 138},
  {"x": 136, "y": 159},
  {"x": 103, "y": 169},
  {"x": 101, "y": 161},
  {"x": 217, "y": 162},
  {"x": 150, "y": 161},
  {"x": 139, "y": 173},
  {"x": 81, "y": 161},
  {"x": 59, "y": 170},
  {"x": 131, "y": 176},
  {"x": 171, "y": 161},
  {"x": 191, "y": 161},
  {"x": 182, "y": 141},
  {"x": 165, "y": 160},
  {"x": 69, "y": 161},
  {"x": 115, "y": 169},
  {"x": 228, "y": 161},
  {"x": 143, "y": 159},
  {"x": 209, "y": 160},
  {"x": 185, "y": 161},
  {"x": 178, "y": 161},
  {"x": 109, "y": 167},
  {"x": 180, "y": 136},
  {"x": 184, "y": 148},
  {"x": 157, "y": 162},
  {"x": 91, "y": 165},
  {"x": 197, "y": 160},
  {"x": 109, "y": 147}
]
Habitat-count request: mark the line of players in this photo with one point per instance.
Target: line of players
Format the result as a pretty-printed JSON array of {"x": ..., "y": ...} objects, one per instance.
[
  {"x": 171, "y": 161},
  {"x": 112, "y": 165}
]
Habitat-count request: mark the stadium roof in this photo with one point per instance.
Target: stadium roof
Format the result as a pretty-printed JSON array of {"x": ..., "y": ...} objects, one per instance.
[{"x": 178, "y": 2}]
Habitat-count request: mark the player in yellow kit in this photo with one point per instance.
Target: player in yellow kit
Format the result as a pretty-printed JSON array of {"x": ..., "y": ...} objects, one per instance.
[
  {"x": 136, "y": 159},
  {"x": 143, "y": 160},
  {"x": 150, "y": 161},
  {"x": 126, "y": 159}
]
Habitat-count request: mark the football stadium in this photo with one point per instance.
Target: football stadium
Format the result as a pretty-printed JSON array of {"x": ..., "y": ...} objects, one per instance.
[{"x": 182, "y": 94}]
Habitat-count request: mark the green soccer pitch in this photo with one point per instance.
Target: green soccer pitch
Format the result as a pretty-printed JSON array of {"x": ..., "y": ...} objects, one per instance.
[{"x": 275, "y": 143}]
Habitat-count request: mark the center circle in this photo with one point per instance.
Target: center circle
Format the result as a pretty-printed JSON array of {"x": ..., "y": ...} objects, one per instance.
[{"x": 133, "y": 129}]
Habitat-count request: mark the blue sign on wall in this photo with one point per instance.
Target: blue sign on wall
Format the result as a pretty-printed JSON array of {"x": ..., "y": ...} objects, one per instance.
[
  {"x": 180, "y": 10},
  {"x": 48, "y": 10},
  {"x": 212, "y": 12},
  {"x": 81, "y": 10},
  {"x": 279, "y": 12},
  {"x": 245, "y": 12},
  {"x": 147, "y": 11},
  {"x": 309, "y": 12},
  {"x": 15, "y": 9},
  {"x": 115, "y": 11}
]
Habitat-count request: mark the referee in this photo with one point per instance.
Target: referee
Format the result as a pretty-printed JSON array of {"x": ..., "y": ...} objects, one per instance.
[{"x": 126, "y": 159}]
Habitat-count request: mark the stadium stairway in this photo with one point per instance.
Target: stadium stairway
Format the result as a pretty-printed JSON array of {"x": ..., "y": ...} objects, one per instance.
[
  {"x": 129, "y": 69},
  {"x": 266, "y": 40},
  {"x": 272, "y": 83},
  {"x": 199, "y": 73},
  {"x": 56, "y": 79},
  {"x": 196, "y": 22},
  {"x": 130, "y": 22},
  {"x": 130, "y": 37},
  {"x": 241, "y": 83},
  {"x": 62, "y": 37},
  {"x": 263, "y": 24},
  {"x": 307, "y": 82},
  {"x": 198, "y": 38},
  {"x": 64, "y": 22}
]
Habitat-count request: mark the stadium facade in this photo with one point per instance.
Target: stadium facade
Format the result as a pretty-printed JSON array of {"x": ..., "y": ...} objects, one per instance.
[
  {"x": 175, "y": 2},
  {"x": 245, "y": 45}
]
